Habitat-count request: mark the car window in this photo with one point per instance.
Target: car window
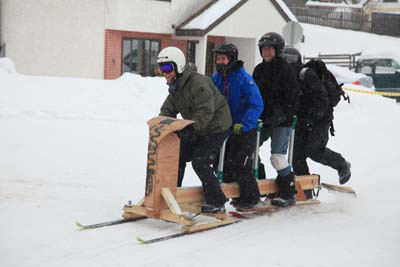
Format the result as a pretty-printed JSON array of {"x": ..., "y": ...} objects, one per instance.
[
  {"x": 383, "y": 62},
  {"x": 366, "y": 70},
  {"x": 384, "y": 69},
  {"x": 395, "y": 65}
]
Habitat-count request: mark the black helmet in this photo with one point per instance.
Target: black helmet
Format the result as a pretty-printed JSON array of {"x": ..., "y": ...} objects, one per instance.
[
  {"x": 228, "y": 49},
  {"x": 272, "y": 39},
  {"x": 291, "y": 55}
]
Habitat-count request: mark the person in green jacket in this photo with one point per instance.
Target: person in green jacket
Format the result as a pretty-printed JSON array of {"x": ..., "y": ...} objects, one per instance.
[{"x": 195, "y": 97}]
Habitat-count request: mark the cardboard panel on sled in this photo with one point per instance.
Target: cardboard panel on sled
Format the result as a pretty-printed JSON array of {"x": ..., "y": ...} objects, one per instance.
[{"x": 162, "y": 161}]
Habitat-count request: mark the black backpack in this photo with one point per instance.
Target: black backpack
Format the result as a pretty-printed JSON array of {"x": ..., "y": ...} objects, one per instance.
[{"x": 334, "y": 89}]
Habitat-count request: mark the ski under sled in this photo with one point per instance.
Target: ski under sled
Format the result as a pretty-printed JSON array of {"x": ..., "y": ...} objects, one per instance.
[{"x": 108, "y": 223}]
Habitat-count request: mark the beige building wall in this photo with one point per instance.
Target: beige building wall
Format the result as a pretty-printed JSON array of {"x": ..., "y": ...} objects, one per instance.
[
  {"x": 67, "y": 37},
  {"x": 387, "y": 7},
  {"x": 149, "y": 15},
  {"x": 57, "y": 38}
]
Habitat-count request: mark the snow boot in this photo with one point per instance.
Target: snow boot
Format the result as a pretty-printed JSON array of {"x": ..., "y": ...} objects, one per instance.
[
  {"x": 246, "y": 207},
  {"x": 287, "y": 191},
  {"x": 283, "y": 202},
  {"x": 345, "y": 173},
  {"x": 234, "y": 202},
  {"x": 208, "y": 208}
]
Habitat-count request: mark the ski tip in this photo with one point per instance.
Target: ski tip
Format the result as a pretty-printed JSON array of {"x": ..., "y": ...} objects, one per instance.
[
  {"x": 140, "y": 240},
  {"x": 80, "y": 226}
]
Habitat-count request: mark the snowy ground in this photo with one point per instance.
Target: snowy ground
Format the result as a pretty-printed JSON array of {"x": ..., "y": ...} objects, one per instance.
[{"x": 75, "y": 149}]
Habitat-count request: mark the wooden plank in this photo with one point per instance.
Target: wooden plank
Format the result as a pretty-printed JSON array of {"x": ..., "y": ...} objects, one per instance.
[
  {"x": 128, "y": 215},
  {"x": 180, "y": 219},
  {"x": 193, "y": 207},
  {"x": 141, "y": 202},
  {"x": 138, "y": 210},
  {"x": 308, "y": 202},
  {"x": 309, "y": 181},
  {"x": 189, "y": 194},
  {"x": 221, "y": 216},
  {"x": 204, "y": 226},
  {"x": 164, "y": 215},
  {"x": 231, "y": 190},
  {"x": 300, "y": 195},
  {"x": 171, "y": 202}
]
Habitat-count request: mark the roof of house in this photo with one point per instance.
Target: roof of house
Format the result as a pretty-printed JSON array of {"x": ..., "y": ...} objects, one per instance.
[{"x": 216, "y": 11}]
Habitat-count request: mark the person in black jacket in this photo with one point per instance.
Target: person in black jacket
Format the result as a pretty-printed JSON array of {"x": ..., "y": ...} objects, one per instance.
[
  {"x": 280, "y": 90},
  {"x": 315, "y": 115}
]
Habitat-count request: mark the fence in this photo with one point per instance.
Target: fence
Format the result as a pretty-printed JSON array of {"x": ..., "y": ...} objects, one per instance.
[
  {"x": 388, "y": 24},
  {"x": 343, "y": 60}
]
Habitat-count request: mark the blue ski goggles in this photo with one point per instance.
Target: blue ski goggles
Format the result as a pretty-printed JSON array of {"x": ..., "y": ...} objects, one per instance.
[{"x": 166, "y": 67}]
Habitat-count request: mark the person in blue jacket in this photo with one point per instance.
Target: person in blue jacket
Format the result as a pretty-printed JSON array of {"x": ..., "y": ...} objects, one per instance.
[{"x": 246, "y": 105}]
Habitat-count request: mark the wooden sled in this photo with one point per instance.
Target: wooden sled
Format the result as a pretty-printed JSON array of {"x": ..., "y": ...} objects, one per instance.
[{"x": 164, "y": 201}]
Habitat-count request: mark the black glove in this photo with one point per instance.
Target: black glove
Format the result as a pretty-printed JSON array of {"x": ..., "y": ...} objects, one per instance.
[
  {"x": 186, "y": 133},
  {"x": 277, "y": 118}
]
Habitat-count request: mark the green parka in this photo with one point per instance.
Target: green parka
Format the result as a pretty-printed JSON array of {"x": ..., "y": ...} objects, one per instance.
[{"x": 196, "y": 98}]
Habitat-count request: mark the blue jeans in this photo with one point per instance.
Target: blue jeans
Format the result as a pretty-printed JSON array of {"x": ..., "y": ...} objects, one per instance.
[{"x": 279, "y": 143}]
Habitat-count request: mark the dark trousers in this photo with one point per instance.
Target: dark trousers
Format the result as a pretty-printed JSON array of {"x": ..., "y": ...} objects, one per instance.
[
  {"x": 238, "y": 165},
  {"x": 202, "y": 152},
  {"x": 310, "y": 142}
]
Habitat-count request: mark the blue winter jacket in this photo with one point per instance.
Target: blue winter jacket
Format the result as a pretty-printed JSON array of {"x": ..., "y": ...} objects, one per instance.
[{"x": 244, "y": 98}]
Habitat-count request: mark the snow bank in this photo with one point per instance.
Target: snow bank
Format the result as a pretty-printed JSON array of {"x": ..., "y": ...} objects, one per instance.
[
  {"x": 7, "y": 66},
  {"x": 327, "y": 40}
]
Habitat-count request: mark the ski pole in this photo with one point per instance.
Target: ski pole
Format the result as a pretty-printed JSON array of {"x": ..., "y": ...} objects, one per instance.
[
  {"x": 291, "y": 141},
  {"x": 255, "y": 155},
  {"x": 220, "y": 173}
]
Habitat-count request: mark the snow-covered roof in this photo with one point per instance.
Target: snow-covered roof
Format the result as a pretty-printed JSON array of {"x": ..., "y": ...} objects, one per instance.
[
  {"x": 217, "y": 11},
  {"x": 211, "y": 14},
  {"x": 285, "y": 9}
]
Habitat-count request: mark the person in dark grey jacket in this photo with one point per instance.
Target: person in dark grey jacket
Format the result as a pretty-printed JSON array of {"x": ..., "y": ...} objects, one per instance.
[{"x": 195, "y": 97}]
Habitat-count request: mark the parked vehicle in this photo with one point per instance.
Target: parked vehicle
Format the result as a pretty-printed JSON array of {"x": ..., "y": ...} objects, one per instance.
[
  {"x": 385, "y": 71},
  {"x": 344, "y": 75}
]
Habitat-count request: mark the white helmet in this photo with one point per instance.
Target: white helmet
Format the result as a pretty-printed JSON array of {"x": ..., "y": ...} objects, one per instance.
[{"x": 174, "y": 55}]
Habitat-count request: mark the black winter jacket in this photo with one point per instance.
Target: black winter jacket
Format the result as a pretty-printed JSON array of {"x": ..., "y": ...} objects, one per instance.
[
  {"x": 279, "y": 88},
  {"x": 314, "y": 104}
]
